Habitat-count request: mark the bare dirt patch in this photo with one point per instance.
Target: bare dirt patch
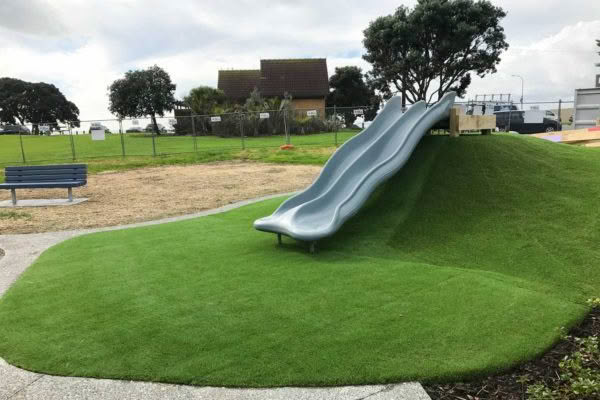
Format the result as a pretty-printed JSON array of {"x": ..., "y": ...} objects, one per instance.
[{"x": 151, "y": 193}]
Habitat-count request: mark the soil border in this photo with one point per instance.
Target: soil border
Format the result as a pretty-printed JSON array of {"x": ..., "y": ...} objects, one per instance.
[{"x": 511, "y": 385}]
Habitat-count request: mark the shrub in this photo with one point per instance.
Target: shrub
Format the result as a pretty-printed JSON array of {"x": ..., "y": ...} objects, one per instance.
[
  {"x": 306, "y": 125},
  {"x": 579, "y": 372}
]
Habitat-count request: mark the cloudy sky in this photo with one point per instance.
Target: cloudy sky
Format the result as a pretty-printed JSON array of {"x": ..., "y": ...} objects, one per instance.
[{"x": 81, "y": 46}]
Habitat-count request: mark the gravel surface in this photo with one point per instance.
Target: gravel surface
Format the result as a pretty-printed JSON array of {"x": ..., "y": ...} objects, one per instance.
[{"x": 138, "y": 195}]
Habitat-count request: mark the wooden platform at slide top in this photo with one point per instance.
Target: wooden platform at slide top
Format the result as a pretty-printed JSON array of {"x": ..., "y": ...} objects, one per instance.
[
  {"x": 589, "y": 137},
  {"x": 460, "y": 122}
]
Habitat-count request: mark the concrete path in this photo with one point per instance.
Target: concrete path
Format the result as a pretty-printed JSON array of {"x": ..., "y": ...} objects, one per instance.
[{"x": 15, "y": 383}]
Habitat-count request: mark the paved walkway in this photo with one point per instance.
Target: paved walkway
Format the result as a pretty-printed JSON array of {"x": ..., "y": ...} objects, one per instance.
[{"x": 15, "y": 383}]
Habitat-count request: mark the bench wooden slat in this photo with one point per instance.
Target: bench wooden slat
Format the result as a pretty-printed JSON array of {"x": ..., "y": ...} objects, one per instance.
[
  {"x": 41, "y": 185},
  {"x": 57, "y": 172},
  {"x": 41, "y": 178},
  {"x": 59, "y": 166}
]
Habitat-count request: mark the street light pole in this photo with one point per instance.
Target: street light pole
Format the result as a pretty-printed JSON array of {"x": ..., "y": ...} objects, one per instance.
[{"x": 522, "y": 84}]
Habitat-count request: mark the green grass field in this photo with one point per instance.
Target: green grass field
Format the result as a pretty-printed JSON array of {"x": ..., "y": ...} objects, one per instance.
[
  {"x": 465, "y": 263},
  {"x": 107, "y": 155},
  {"x": 58, "y": 148}
]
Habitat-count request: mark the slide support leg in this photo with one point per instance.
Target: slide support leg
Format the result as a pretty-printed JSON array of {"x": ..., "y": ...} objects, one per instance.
[
  {"x": 279, "y": 238},
  {"x": 13, "y": 195},
  {"x": 70, "y": 192},
  {"x": 311, "y": 247}
]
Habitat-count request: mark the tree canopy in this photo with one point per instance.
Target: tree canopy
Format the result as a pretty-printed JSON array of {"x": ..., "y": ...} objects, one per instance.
[
  {"x": 434, "y": 47},
  {"x": 35, "y": 103},
  {"x": 203, "y": 100},
  {"x": 140, "y": 93},
  {"x": 350, "y": 89}
]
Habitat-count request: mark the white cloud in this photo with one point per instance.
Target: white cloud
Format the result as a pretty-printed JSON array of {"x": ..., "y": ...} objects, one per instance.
[
  {"x": 31, "y": 17},
  {"x": 552, "y": 67},
  {"x": 81, "y": 46}
]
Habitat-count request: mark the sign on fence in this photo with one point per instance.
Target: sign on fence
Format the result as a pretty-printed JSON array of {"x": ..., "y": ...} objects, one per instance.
[
  {"x": 358, "y": 111},
  {"x": 215, "y": 119},
  {"x": 44, "y": 128},
  {"x": 311, "y": 113},
  {"x": 264, "y": 115},
  {"x": 97, "y": 134}
]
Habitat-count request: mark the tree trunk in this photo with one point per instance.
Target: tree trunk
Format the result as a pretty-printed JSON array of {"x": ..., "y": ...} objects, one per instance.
[
  {"x": 403, "y": 100},
  {"x": 154, "y": 125},
  {"x": 403, "y": 94}
]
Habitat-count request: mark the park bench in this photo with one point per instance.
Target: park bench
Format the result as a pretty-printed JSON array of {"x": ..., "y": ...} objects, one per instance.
[{"x": 44, "y": 177}]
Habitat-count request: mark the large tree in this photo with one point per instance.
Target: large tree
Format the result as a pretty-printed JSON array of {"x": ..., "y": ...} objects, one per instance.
[
  {"x": 351, "y": 90},
  {"x": 141, "y": 93},
  {"x": 35, "y": 103},
  {"x": 434, "y": 47}
]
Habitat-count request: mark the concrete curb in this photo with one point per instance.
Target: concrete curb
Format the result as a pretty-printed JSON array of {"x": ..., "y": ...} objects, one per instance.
[
  {"x": 42, "y": 203},
  {"x": 21, "y": 250}
]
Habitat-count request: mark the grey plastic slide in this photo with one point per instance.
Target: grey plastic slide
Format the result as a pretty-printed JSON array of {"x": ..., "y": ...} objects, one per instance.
[{"x": 355, "y": 170}]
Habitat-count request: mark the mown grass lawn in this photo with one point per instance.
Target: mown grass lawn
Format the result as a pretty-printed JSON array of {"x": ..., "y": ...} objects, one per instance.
[
  {"x": 58, "y": 148},
  {"x": 465, "y": 263},
  {"x": 171, "y": 150}
]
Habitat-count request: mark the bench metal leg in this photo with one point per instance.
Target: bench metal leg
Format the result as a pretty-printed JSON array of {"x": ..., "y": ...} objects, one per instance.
[
  {"x": 13, "y": 195},
  {"x": 70, "y": 191}
]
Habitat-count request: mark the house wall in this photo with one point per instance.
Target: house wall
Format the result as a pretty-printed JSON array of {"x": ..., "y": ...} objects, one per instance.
[{"x": 309, "y": 104}]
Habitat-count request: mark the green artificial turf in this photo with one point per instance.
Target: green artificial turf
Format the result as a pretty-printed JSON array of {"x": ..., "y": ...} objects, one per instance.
[{"x": 465, "y": 263}]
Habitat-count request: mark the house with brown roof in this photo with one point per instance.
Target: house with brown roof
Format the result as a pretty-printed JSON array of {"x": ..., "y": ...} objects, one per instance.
[{"x": 305, "y": 79}]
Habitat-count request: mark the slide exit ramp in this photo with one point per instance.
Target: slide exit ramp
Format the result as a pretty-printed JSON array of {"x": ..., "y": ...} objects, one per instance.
[{"x": 354, "y": 171}]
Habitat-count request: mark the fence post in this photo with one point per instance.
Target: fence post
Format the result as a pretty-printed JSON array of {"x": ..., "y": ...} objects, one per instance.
[
  {"x": 22, "y": 149},
  {"x": 285, "y": 127},
  {"x": 559, "y": 108},
  {"x": 72, "y": 142},
  {"x": 153, "y": 143},
  {"x": 122, "y": 138},
  {"x": 509, "y": 115},
  {"x": 335, "y": 126},
  {"x": 242, "y": 131},
  {"x": 194, "y": 131}
]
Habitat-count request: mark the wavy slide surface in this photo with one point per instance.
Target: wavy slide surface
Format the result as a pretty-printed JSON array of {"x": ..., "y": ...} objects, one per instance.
[{"x": 355, "y": 170}]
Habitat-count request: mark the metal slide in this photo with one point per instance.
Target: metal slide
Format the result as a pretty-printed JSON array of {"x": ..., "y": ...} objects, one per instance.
[{"x": 354, "y": 171}]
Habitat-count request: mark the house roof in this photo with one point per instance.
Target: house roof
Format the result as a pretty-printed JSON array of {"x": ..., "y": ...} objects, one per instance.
[
  {"x": 301, "y": 77},
  {"x": 238, "y": 84}
]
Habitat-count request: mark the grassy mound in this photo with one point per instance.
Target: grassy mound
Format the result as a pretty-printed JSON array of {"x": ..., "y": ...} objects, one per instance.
[{"x": 464, "y": 263}]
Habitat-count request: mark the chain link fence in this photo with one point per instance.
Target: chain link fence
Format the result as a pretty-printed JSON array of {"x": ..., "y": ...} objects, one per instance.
[
  {"x": 181, "y": 133},
  {"x": 185, "y": 132},
  {"x": 562, "y": 110}
]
